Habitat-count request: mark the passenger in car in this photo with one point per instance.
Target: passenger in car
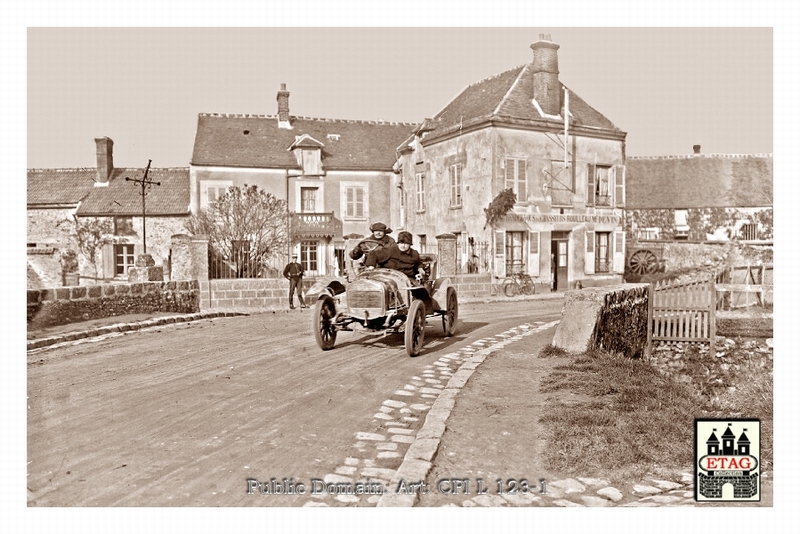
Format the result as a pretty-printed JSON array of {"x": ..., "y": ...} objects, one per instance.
[{"x": 400, "y": 257}]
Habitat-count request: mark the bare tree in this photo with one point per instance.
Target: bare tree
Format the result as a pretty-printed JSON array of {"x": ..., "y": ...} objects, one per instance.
[
  {"x": 91, "y": 235},
  {"x": 246, "y": 228}
]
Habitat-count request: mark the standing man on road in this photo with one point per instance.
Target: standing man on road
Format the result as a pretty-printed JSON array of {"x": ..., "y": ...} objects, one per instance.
[{"x": 294, "y": 273}]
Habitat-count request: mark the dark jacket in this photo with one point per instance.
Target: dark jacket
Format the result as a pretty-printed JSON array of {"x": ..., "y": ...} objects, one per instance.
[
  {"x": 407, "y": 263},
  {"x": 293, "y": 270},
  {"x": 384, "y": 242}
]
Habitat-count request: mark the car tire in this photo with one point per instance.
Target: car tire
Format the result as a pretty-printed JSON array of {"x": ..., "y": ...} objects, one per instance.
[
  {"x": 415, "y": 327},
  {"x": 450, "y": 316},
  {"x": 324, "y": 326}
]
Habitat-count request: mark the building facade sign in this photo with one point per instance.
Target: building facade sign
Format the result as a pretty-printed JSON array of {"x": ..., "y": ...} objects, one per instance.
[{"x": 558, "y": 217}]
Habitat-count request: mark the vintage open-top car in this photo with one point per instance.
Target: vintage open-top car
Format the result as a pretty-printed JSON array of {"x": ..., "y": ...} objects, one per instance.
[{"x": 385, "y": 301}]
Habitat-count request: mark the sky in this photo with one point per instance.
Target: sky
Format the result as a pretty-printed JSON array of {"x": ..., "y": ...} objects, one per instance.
[{"x": 668, "y": 88}]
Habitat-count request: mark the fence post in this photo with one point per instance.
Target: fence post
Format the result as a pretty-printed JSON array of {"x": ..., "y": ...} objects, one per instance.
[
  {"x": 713, "y": 318},
  {"x": 648, "y": 351}
]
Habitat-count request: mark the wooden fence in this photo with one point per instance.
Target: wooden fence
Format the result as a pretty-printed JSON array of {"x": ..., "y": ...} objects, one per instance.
[
  {"x": 744, "y": 286},
  {"x": 682, "y": 312}
]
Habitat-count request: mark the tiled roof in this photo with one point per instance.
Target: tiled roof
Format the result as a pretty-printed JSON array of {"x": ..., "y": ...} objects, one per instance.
[
  {"x": 256, "y": 141},
  {"x": 121, "y": 197},
  {"x": 699, "y": 181},
  {"x": 58, "y": 187},
  {"x": 509, "y": 96}
]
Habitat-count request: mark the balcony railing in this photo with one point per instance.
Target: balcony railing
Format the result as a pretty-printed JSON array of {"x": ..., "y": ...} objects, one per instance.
[{"x": 315, "y": 225}]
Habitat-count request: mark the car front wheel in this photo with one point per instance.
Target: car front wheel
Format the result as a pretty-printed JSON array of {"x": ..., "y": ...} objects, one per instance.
[
  {"x": 324, "y": 327},
  {"x": 451, "y": 313},
  {"x": 415, "y": 328}
]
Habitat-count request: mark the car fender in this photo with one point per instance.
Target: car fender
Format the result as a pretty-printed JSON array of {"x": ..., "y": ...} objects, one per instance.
[{"x": 439, "y": 292}]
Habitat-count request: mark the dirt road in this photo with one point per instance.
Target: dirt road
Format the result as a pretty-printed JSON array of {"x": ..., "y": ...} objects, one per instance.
[{"x": 183, "y": 415}]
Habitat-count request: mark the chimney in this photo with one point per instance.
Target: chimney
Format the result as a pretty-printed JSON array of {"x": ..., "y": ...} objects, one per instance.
[
  {"x": 546, "y": 88},
  {"x": 105, "y": 159},
  {"x": 283, "y": 108},
  {"x": 696, "y": 149}
]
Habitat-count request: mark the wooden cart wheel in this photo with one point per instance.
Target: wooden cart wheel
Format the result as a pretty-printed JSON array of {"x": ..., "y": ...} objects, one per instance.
[{"x": 643, "y": 262}]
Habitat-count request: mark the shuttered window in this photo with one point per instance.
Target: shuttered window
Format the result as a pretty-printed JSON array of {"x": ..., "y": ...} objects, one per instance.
[
  {"x": 455, "y": 185},
  {"x": 619, "y": 186},
  {"x": 533, "y": 253},
  {"x": 420, "y": 191},
  {"x": 354, "y": 202},
  {"x": 500, "y": 253},
  {"x": 516, "y": 178}
]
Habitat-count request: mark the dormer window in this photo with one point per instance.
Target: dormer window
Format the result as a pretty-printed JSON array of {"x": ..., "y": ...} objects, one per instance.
[{"x": 308, "y": 152}]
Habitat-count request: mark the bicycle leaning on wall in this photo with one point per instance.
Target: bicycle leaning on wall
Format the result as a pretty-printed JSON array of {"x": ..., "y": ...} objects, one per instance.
[{"x": 518, "y": 283}]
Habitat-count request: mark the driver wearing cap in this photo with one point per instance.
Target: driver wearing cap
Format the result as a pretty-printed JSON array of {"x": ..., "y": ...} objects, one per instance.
[
  {"x": 380, "y": 236},
  {"x": 400, "y": 257}
]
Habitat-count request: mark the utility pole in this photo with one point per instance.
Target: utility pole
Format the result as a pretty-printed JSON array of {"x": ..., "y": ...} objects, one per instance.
[{"x": 146, "y": 184}]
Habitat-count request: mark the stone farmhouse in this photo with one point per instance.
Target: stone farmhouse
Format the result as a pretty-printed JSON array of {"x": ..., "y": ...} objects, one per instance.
[
  {"x": 522, "y": 130},
  {"x": 336, "y": 175},
  {"x": 700, "y": 197},
  {"x": 61, "y": 200}
]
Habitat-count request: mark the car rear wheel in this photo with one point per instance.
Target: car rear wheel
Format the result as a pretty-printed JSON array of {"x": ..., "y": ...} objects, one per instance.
[
  {"x": 324, "y": 328},
  {"x": 451, "y": 313},
  {"x": 415, "y": 328}
]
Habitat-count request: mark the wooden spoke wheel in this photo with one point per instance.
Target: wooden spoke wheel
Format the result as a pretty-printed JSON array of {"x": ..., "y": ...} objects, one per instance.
[
  {"x": 643, "y": 262},
  {"x": 451, "y": 313},
  {"x": 415, "y": 328},
  {"x": 324, "y": 327},
  {"x": 510, "y": 288}
]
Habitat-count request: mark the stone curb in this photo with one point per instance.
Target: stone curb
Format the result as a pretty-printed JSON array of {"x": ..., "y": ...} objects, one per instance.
[
  {"x": 420, "y": 455},
  {"x": 126, "y": 327},
  {"x": 503, "y": 298}
]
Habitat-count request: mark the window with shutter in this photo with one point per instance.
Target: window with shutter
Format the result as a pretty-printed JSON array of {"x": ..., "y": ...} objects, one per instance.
[
  {"x": 108, "y": 260},
  {"x": 602, "y": 186},
  {"x": 590, "y": 185},
  {"x": 212, "y": 190},
  {"x": 455, "y": 185},
  {"x": 588, "y": 257},
  {"x": 619, "y": 252},
  {"x": 500, "y": 253},
  {"x": 308, "y": 199},
  {"x": 516, "y": 178},
  {"x": 619, "y": 186},
  {"x": 420, "y": 190},
  {"x": 533, "y": 253},
  {"x": 355, "y": 201},
  {"x": 602, "y": 252}
]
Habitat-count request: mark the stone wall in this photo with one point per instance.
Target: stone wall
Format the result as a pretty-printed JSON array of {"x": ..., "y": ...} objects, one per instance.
[
  {"x": 273, "y": 293},
  {"x": 718, "y": 256},
  {"x": 64, "y": 305},
  {"x": 472, "y": 285},
  {"x": 612, "y": 318},
  {"x": 261, "y": 293}
]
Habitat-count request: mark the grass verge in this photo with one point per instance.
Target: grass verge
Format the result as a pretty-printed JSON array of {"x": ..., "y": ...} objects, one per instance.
[{"x": 635, "y": 420}]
